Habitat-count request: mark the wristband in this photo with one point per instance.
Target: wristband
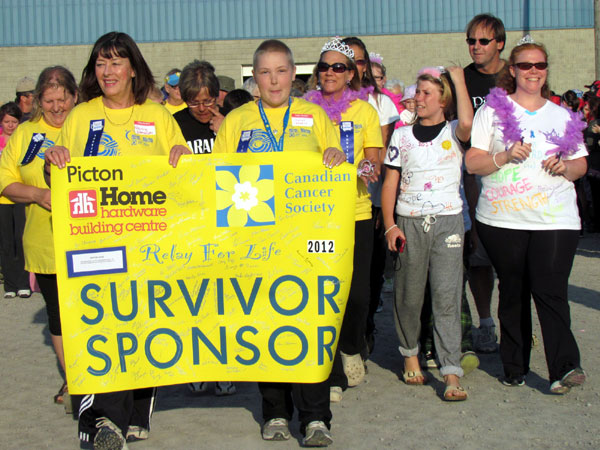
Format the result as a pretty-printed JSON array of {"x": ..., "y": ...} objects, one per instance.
[
  {"x": 387, "y": 231},
  {"x": 494, "y": 160}
]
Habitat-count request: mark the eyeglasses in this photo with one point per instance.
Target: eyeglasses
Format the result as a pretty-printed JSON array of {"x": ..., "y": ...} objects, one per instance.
[
  {"x": 337, "y": 67},
  {"x": 205, "y": 103},
  {"x": 360, "y": 62},
  {"x": 482, "y": 41},
  {"x": 528, "y": 66},
  {"x": 377, "y": 78}
]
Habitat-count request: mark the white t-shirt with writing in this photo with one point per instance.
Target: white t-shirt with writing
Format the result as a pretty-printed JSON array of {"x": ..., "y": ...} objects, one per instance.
[
  {"x": 431, "y": 172},
  {"x": 521, "y": 195}
]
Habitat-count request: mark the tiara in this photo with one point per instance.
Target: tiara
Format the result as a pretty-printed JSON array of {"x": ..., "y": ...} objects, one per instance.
[
  {"x": 435, "y": 72},
  {"x": 527, "y": 39},
  {"x": 336, "y": 45},
  {"x": 376, "y": 58}
]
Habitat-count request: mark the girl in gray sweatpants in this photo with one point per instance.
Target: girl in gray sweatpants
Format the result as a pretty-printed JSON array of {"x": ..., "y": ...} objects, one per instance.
[{"x": 425, "y": 159}]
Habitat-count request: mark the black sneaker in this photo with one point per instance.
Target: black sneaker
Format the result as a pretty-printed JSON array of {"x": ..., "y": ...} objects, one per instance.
[{"x": 518, "y": 380}]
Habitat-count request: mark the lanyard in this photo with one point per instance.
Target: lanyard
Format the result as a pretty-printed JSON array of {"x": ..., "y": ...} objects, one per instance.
[
  {"x": 347, "y": 139},
  {"x": 34, "y": 147},
  {"x": 94, "y": 136},
  {"x": 277, "y": 146}
]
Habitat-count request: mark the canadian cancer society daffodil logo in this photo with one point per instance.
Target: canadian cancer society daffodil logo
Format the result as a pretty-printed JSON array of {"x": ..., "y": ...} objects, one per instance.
[{"x": 245, "y": 196}]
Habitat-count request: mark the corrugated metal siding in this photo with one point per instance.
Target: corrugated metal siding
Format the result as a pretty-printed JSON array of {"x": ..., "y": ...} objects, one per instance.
[{"x": 64, "y": 22}]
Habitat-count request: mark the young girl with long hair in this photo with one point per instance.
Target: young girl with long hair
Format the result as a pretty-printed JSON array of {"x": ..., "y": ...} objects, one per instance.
[{"x": 425, "y": 159}]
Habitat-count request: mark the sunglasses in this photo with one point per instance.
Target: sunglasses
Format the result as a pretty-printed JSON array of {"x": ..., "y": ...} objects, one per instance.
[
  {"x": 482, "y": 41},
  {"x": 337, "y": 67},
  {"x": 360, "y": 62},
  {"x": 528, "y": 66}
]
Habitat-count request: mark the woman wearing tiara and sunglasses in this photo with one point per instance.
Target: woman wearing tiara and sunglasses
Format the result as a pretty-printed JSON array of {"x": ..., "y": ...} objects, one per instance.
[
  {"x": 529, "y": 151},
  {"x": 337, "y": 90}
]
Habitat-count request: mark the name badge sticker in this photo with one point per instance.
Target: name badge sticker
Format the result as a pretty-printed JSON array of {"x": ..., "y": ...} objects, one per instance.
[
  {"x": 302, "y": 120},
  {"x": 144, "y": 128}
]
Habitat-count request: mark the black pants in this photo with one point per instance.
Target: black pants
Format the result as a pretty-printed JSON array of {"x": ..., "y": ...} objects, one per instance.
[
  {"x": 49, "y": 290},
  {"x": 311, "y": 400},
  {"x": 377, "y": 269},
  {"x": 123, "y": 408},
  {"x": 12, "y": 224},
  {"x": 352, "y": 335},
  {"x": 533, "y": 263},
  {"x": 595, "y": 188}
]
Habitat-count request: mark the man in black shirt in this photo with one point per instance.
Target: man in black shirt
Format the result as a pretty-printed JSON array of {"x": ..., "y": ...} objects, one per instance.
[
  {"x": 199, "y": 88},
  {"x": 486, "y": 39}
]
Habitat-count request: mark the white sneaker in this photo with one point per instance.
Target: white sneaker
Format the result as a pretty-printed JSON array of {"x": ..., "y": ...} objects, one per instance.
[
  {"x": 109, "y": 436},
  {"x": 317, "y": 435},
  {"x": 276, "y": 430},
  {"x": 136, "y": 433},
  {"x": 24, "y": 293}
]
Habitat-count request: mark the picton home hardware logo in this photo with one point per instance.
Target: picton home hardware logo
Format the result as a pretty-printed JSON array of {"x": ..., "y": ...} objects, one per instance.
[{"x": 83, "y": 203}]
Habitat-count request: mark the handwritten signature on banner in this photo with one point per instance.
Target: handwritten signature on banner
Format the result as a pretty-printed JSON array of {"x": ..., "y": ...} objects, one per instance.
[{"x": 228, "y": 267}]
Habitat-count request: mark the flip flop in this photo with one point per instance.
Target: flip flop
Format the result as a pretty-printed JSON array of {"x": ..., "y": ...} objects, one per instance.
[{"x": 451, "y": 390}]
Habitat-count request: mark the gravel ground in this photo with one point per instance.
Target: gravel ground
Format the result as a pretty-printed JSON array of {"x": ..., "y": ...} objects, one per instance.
[{"x": 381, "y": 413}]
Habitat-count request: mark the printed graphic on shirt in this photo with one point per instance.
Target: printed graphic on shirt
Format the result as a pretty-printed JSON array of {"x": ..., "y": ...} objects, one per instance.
[
  {"x": 260, "y": 142},
  {"x": 108, "y": 146},
  {"x": 138, "y": 139},
  {"x": 245, "y": 196},
  {"x": 200, "y": 146},
  {"x": 45, "y": 146}
]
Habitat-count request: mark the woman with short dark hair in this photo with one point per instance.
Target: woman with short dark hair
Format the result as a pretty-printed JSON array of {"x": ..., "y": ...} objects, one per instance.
[{"x": 199, "y": 87}]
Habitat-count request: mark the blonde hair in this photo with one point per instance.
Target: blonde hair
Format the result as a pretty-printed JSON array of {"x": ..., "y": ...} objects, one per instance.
[{"x": 446, "y": 87}]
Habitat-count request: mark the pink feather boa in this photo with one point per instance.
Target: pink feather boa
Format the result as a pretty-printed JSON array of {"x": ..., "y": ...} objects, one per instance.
[{"x": 335, "y": 108}]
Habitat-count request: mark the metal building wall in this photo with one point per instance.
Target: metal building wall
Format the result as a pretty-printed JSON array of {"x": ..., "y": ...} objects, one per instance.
[{"x": 72, "y": 22}]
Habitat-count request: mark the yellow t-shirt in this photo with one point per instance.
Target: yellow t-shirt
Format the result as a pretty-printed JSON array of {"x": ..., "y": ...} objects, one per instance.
[
  {"x": 367, "y": 133},
  {"x": 309, "y": 129},
  {"x": 37, "y": 237},
  {"x": 173, "y": 109},
  {"x": 145, "y": 130}
]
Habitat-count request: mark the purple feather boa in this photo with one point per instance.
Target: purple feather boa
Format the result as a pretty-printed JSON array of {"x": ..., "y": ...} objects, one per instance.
[
  {"x": 335, "y": 108},
  {"x": 568, "y": 143},
  {"x": 505, "y": 110},
  {"x": 564, "y": 145}
]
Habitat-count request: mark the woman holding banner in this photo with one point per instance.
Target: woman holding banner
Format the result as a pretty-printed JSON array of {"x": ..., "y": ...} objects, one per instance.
[
  {"x": 346, "y": 103},
  {"x": 274, "y": 71},
  {"x": 114, "y": 87},
  {"x": 22, "y": 181}
]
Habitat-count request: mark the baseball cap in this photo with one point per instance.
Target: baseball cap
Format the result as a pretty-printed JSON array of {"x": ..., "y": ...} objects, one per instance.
[{"x": 25, "y": 84}]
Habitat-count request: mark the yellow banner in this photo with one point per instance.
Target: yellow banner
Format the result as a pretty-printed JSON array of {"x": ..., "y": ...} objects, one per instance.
[{"x": 227, "y": 268}]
